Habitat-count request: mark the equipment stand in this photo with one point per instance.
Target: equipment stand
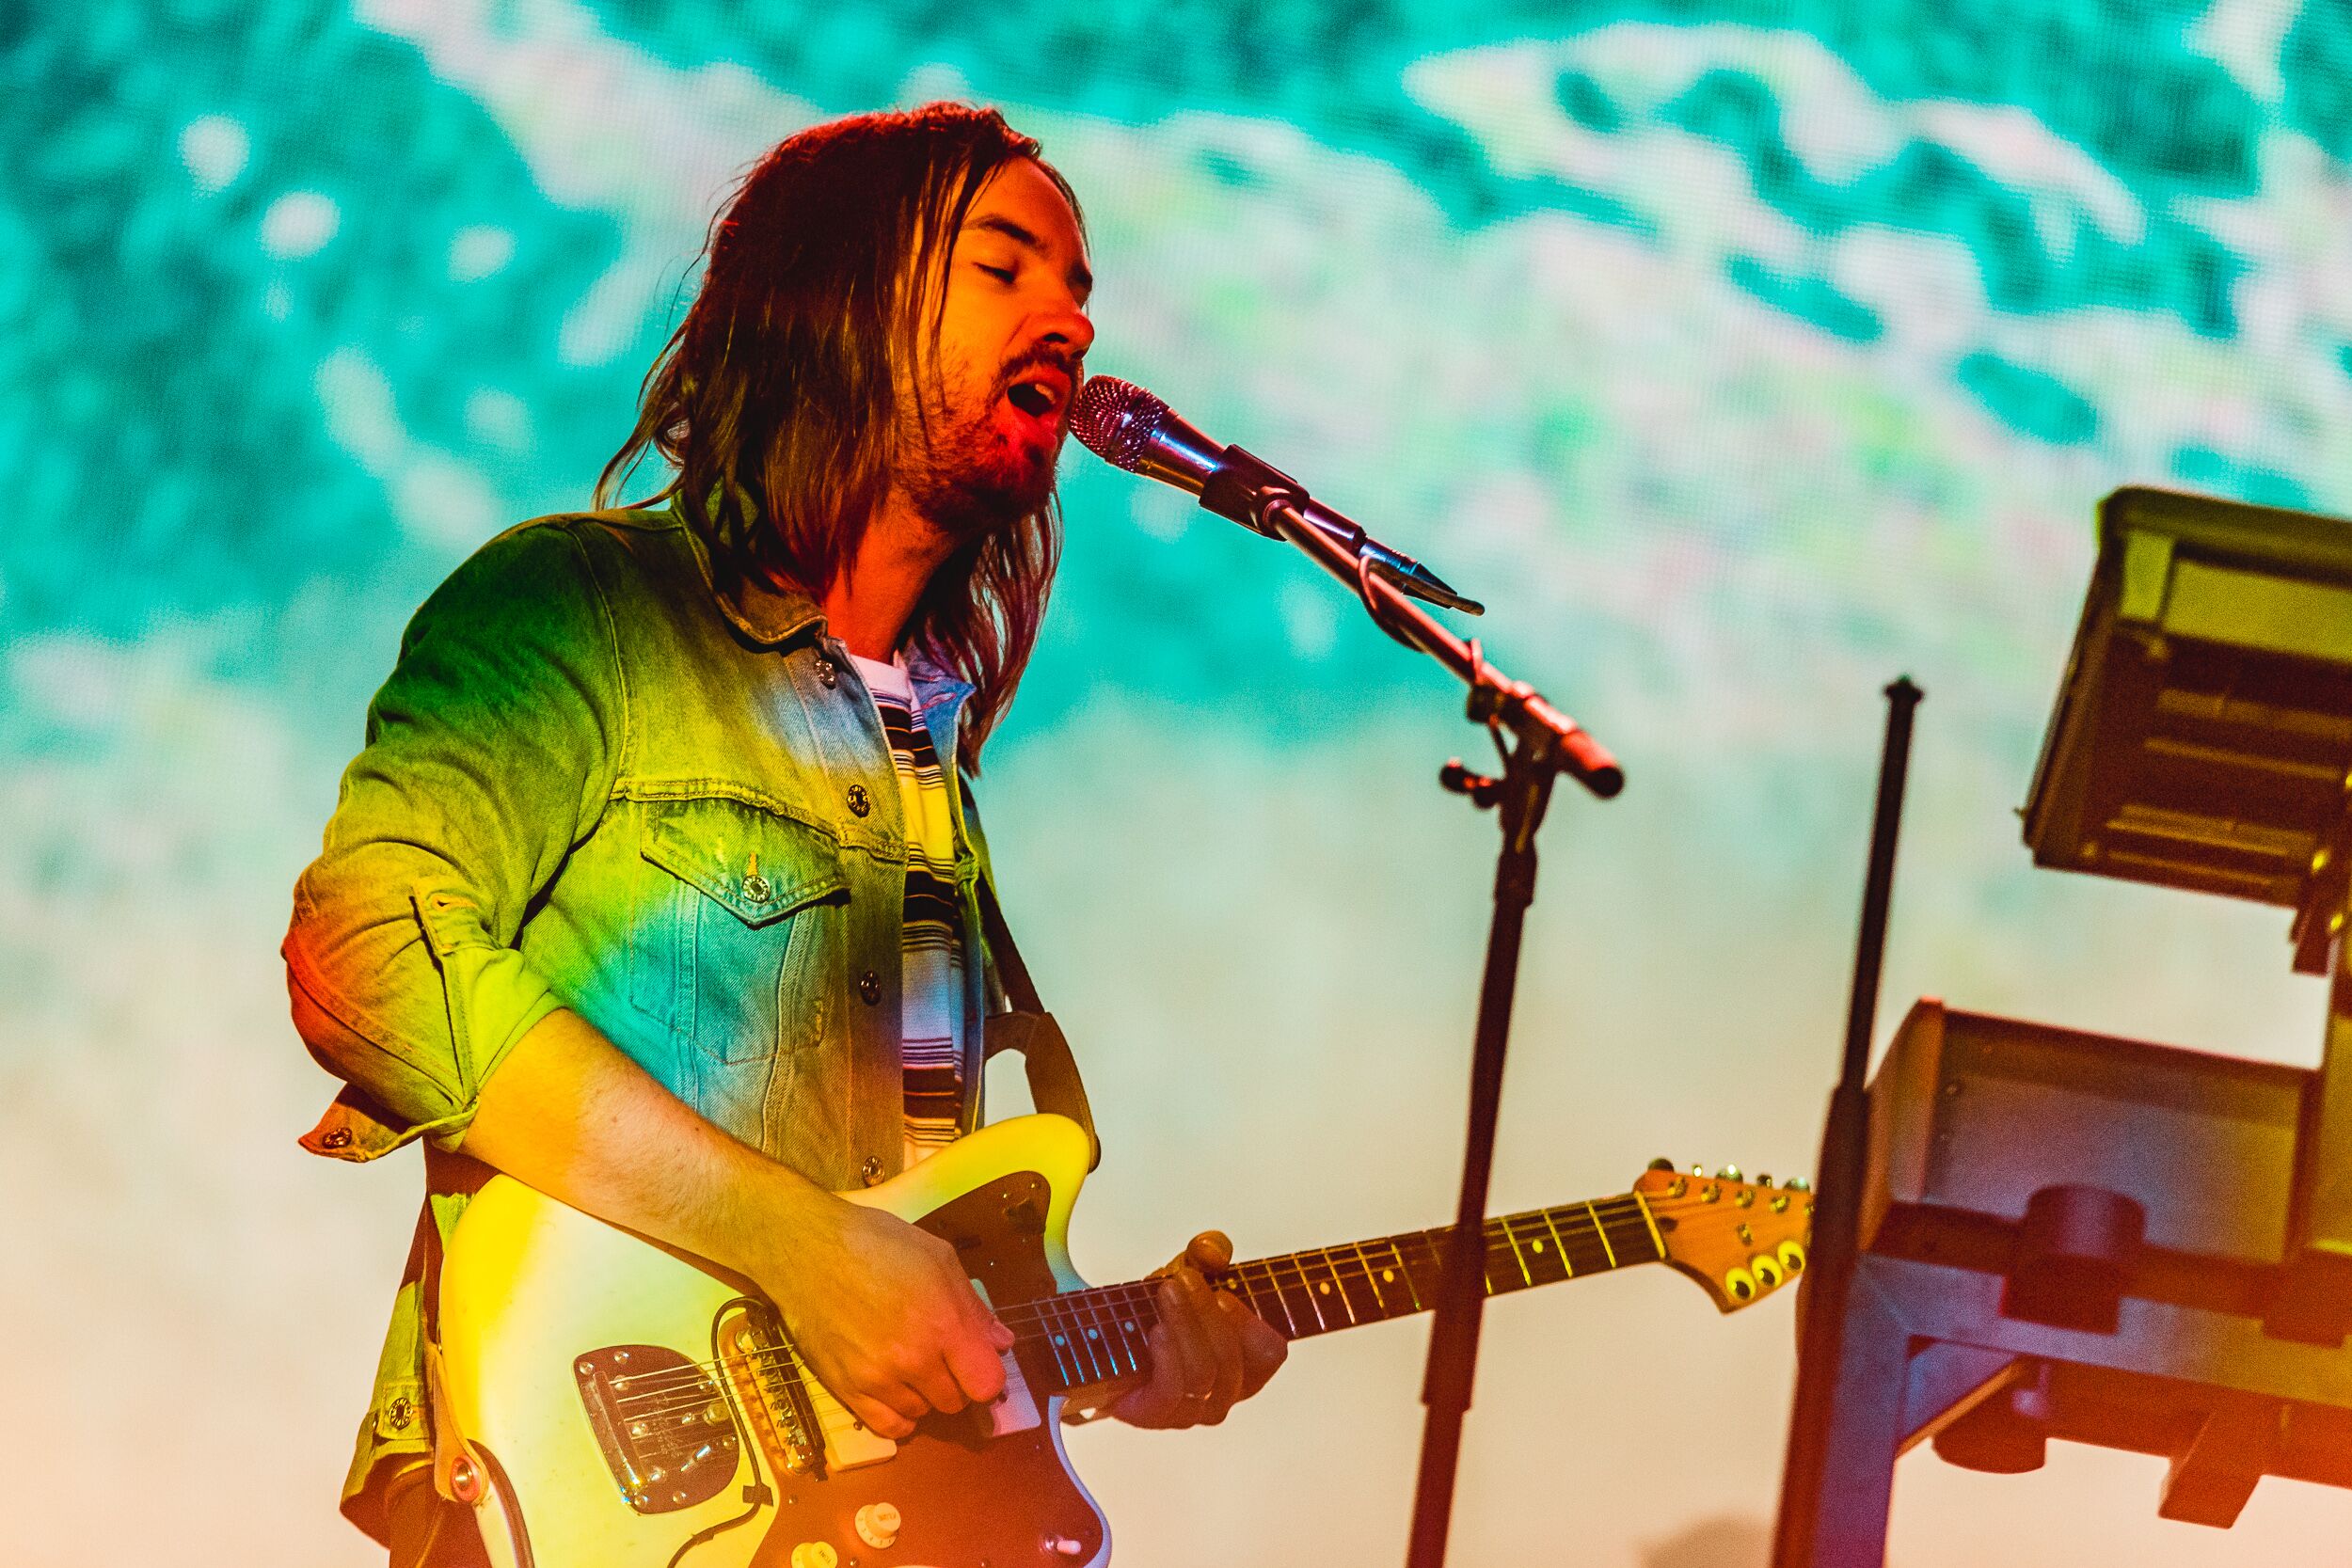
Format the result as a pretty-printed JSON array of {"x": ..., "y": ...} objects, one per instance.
[
  {"x": 1845, "y": 1156},
  {"x": 1542, "y": 744},
  {"x": 1522, "y": 794},
  {"x": 2313, "y": 1302}
]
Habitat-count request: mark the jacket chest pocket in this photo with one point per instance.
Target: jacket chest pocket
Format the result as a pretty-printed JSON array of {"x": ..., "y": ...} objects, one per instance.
[{"x": 732, "y": 935}]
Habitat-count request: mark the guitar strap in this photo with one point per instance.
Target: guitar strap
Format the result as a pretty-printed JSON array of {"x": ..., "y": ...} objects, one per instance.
[{"x": 1028, "y": 1028}]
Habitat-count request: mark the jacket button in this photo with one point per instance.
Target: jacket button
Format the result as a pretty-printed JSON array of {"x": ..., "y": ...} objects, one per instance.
[
  {"x": 871, "y": 1170},
  {"x": 869, "y": 986},
  {"x": 860, "y": 802},
  {"x": 758, "y": 889},
  {"x": 828, "y": 673}
]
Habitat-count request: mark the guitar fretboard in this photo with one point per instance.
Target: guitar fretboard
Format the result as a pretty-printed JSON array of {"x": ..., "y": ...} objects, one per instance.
[{"x": 1102, "y": 1335}]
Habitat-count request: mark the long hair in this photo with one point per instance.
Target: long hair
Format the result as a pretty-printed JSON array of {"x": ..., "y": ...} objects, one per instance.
[{"x": 774, "y": 400}]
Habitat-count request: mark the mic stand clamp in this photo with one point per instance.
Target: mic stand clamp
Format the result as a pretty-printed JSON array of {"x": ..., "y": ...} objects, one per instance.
[
  {"x": 1537, "y": 743},
  {"x": 1254, "y": 493},
  {"x": 1482, "y": 791}
]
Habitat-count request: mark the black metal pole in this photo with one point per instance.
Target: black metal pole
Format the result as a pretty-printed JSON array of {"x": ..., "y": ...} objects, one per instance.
[
  {"x": 1526, "y": 789},
  {"x": 1544, "y": 743},
  {"x": 1842, "y": 1169}
]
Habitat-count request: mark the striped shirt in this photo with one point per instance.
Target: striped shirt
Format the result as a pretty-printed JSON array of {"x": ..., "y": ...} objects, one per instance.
[{"x": 931, "y": 1045}]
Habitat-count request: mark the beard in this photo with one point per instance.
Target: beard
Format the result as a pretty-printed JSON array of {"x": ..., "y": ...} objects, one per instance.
[{"x": 966, "y": 475}]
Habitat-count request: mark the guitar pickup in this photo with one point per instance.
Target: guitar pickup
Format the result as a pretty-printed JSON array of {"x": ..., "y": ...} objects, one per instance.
[{"x": 760, "y": 1368}]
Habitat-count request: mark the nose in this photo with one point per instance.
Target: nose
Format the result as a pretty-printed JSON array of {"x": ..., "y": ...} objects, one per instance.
[{"x": 1069, "y": 329}]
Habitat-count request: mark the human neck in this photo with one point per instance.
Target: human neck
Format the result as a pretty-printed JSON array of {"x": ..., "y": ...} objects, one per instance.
[{"x": 869, "y": 604}]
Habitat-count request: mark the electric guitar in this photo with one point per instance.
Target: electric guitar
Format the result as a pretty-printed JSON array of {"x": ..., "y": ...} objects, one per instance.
[{"x": 612, "y": 1403}]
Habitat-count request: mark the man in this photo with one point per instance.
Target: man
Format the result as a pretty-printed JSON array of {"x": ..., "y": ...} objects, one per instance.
[{"x": 658, "y": 884}]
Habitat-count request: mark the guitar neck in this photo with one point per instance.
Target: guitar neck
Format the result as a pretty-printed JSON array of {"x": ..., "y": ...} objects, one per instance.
[{"x": 1098, "y": 1336}]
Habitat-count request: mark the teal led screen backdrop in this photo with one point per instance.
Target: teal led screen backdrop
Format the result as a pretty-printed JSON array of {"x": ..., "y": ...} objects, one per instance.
[{"x": 1742, "y": 354}]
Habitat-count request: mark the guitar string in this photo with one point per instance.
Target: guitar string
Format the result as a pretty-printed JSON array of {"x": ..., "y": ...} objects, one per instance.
[
  {"x": 1085, "y": 1311},
  {"x": 1065, "y": 1312},
  {"x": 1052, "y": 1320},
  {"x": 1423, "y": 1246},
  {"x": 1078, "y": 1362}
]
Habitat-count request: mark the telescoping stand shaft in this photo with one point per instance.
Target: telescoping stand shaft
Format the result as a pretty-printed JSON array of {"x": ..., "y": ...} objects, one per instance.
[
  {"x": 1797, "y": 1540},
  {"x": 1537, "y": 743}
]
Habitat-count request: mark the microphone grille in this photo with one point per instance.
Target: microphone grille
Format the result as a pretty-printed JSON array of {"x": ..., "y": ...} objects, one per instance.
[{"x": 1115, "y": 420}]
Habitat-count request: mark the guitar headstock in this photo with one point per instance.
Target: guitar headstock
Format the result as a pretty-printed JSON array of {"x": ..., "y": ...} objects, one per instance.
[{"x": 1742, "y": 1240}]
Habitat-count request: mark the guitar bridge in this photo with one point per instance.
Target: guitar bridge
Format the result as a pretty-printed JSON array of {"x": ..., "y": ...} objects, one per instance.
[
  {"x": 663, "y": 1422},
  {"x": 766, "y": 1379}
]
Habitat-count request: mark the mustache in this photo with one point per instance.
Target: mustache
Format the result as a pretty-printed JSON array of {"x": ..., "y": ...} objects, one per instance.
[{"x": 1043, "y": 357}]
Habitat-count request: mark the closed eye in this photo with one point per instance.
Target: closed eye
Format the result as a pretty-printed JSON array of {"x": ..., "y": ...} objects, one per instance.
[{"x": 1003, "y": 275}]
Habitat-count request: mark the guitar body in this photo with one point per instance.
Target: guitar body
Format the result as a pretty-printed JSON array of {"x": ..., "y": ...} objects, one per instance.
[{"x": 617, "y": 1401}]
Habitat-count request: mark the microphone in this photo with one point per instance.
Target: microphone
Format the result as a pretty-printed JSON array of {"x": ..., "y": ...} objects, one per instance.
[{"x": 1129, "y": 428}]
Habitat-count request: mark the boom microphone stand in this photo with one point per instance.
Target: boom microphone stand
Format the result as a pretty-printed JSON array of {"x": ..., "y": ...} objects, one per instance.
[
  {"x": 1537, "y": 743},
  {"x": 1130, "y": 429}
]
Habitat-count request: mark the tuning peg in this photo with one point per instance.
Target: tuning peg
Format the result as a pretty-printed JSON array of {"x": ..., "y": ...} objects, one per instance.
[
  {"x": 1699, "y": 1171},
  {"x": 1799, "y": 1184},
  {"x": 1762, "y": 1180},
  {"x": 1662, "y": 1163},
  {"x": 1729, "y": 1173}
]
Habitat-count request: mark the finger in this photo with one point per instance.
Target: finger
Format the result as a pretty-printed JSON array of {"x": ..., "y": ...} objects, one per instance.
[
  {"x": 938, "y": 1385},
  {"x": 1155, "y": 1404},
  {"x": 891, "y": 1410},
  {"x": 1161, "y": 1401},
  {"x": 974, "y": 1314},
  {"x": 973, "y": 1362},
  {"x": 1263, "y": 1348},
  {"x": 1211, "y": 1252},
  {"x": 1194, "y": 1362},
  {"x": 1224, "y": 1340}
]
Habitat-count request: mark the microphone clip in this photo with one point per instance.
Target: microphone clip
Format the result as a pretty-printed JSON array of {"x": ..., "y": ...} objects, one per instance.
[
  {"x": 1245, "y": 488},
  {"x": 1249, "y": 490}
]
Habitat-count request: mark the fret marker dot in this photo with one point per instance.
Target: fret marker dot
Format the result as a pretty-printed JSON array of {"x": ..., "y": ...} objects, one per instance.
[
  {"x": 1387, "y": 1276},
  {"x": 1539, "y": 1247},
  {"x": 1325, "y": 1286},
  {"x": 1092, "y": 1335},
  {"x": 1130, "y": 1327},
  {"x": 1060, "y": 1340}
]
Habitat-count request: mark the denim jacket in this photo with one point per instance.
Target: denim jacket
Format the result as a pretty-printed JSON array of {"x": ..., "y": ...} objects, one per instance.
[{"x": 592, "y": 782}]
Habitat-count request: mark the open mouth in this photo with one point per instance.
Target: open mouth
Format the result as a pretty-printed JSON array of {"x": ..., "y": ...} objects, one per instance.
[{"x": 1038, "y": 396}]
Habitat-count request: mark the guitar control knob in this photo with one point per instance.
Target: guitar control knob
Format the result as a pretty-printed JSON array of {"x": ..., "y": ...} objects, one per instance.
[
  {"x": 1729, "y": 1173},
  {"x": 878, "y": 1524},
  {"x": 815, "y": 1554}
]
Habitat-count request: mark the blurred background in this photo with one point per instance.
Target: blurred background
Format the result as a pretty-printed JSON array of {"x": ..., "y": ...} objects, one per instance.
[{"x": 1742, "y": 354}]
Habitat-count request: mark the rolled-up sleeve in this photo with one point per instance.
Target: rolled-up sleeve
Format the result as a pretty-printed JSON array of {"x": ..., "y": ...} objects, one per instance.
[{"x": 491, "y": 751}]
